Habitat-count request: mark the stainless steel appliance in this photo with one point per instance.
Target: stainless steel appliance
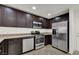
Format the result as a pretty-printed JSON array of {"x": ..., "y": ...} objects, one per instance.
[
  {"x": 28, "y": 44},
  {"x": 60, "y": 35},
  {"x": 37, "y": 24},
  {"x": 39, "y": 39}
]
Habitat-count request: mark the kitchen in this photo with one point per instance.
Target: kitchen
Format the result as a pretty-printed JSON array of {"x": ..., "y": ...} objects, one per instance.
[{"x": 23, "y": 32}]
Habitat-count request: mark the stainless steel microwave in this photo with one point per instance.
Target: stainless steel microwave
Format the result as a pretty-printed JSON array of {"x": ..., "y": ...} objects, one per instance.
[{"x": 37, "y": 25}]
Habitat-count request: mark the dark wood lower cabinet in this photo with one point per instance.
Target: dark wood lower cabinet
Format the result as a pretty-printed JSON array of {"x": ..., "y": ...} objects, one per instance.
[
  {"x": 11, "y": 47},
  {"x": 14, "y": 46},
  {"x": 4, "y": 48},
  {"x": 48, "y": 39}
]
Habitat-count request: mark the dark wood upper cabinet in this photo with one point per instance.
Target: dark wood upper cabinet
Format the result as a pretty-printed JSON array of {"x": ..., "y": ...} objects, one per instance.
[
  {"x": 9, "y": 17},
  {"x": 36, "y": 18},
  {"x": 48, "y": 24},
  {"x": 21, "y": 18},
  {"x": 29, "y": 20},
  {"x": 44, "y": 23},
  {"x": 0, "y": 16}
]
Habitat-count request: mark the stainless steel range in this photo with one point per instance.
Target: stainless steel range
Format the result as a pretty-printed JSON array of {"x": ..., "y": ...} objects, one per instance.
[{"x": 39, "y": 39}]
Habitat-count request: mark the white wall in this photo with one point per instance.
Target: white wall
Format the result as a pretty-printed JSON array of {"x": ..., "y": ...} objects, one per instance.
[
  {"x": 74, "y": 29},
  {"x": 11, "y": 30},
  {"x": 76, "y": 20},
  {"x": 72, "y": 41}
]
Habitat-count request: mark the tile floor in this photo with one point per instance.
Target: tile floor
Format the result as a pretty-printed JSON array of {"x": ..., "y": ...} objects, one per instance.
[{"x": 47, "y": 50}]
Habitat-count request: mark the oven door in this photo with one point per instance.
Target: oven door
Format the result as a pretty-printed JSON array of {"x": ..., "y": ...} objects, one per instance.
[
  {"x": 39, "y": 40},
  {"x": 39, "y": 43}
]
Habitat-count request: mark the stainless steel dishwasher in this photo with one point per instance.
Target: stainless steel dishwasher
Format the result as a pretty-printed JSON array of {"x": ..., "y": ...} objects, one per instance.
[{"x": 28, "y": 44}]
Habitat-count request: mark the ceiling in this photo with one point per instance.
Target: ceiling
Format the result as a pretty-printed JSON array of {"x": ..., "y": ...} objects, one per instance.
[{"x": 43, "y": 9}]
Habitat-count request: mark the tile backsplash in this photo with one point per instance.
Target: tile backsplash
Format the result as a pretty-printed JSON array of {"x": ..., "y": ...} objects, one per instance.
[{"x": 11, "y": 30}]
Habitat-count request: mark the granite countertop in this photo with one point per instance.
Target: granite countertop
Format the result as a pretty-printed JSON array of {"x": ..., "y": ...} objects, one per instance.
[
  {"x": 46, "y": 33},
  {"x": 16, "y": 35},
  {"x": 7, "y": 36},
  {"x": 19, "y": 35}
]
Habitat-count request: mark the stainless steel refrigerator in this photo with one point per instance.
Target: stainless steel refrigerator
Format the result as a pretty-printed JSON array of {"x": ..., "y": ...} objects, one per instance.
[{"x": 60, "y": 35}]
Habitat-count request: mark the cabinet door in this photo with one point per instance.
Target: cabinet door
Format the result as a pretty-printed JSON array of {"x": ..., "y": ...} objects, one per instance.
[
  {"x": 35, "y": 18},
  {"x": 28, "y": 44},
  {"x": 49, "y": 24},
  {"x": 44, "y": 23},
  {"x": 48, "y": 39},
  {"x": 20, "y": 19},
  {"x": 29, "y": 21},
  {"x": 0, "y": 16},
  {"x": 3, "y": 47},
  {"x": 9, "y": 17},
  {"x": 14, "y": 46}
]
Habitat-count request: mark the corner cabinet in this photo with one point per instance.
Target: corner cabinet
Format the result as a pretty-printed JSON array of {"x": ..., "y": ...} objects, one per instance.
[
  {"x": 49, "y": 24},
  {"x": 11, "y": 46},
  {"x": 44, "y": 23},
  {"x": 48, "y": 39}
]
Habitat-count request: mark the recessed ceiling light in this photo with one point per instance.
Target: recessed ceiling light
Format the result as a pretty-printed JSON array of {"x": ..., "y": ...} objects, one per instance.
[
  {"x": 49, "y": 14},
  {"x": 34, "y": 8}
]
